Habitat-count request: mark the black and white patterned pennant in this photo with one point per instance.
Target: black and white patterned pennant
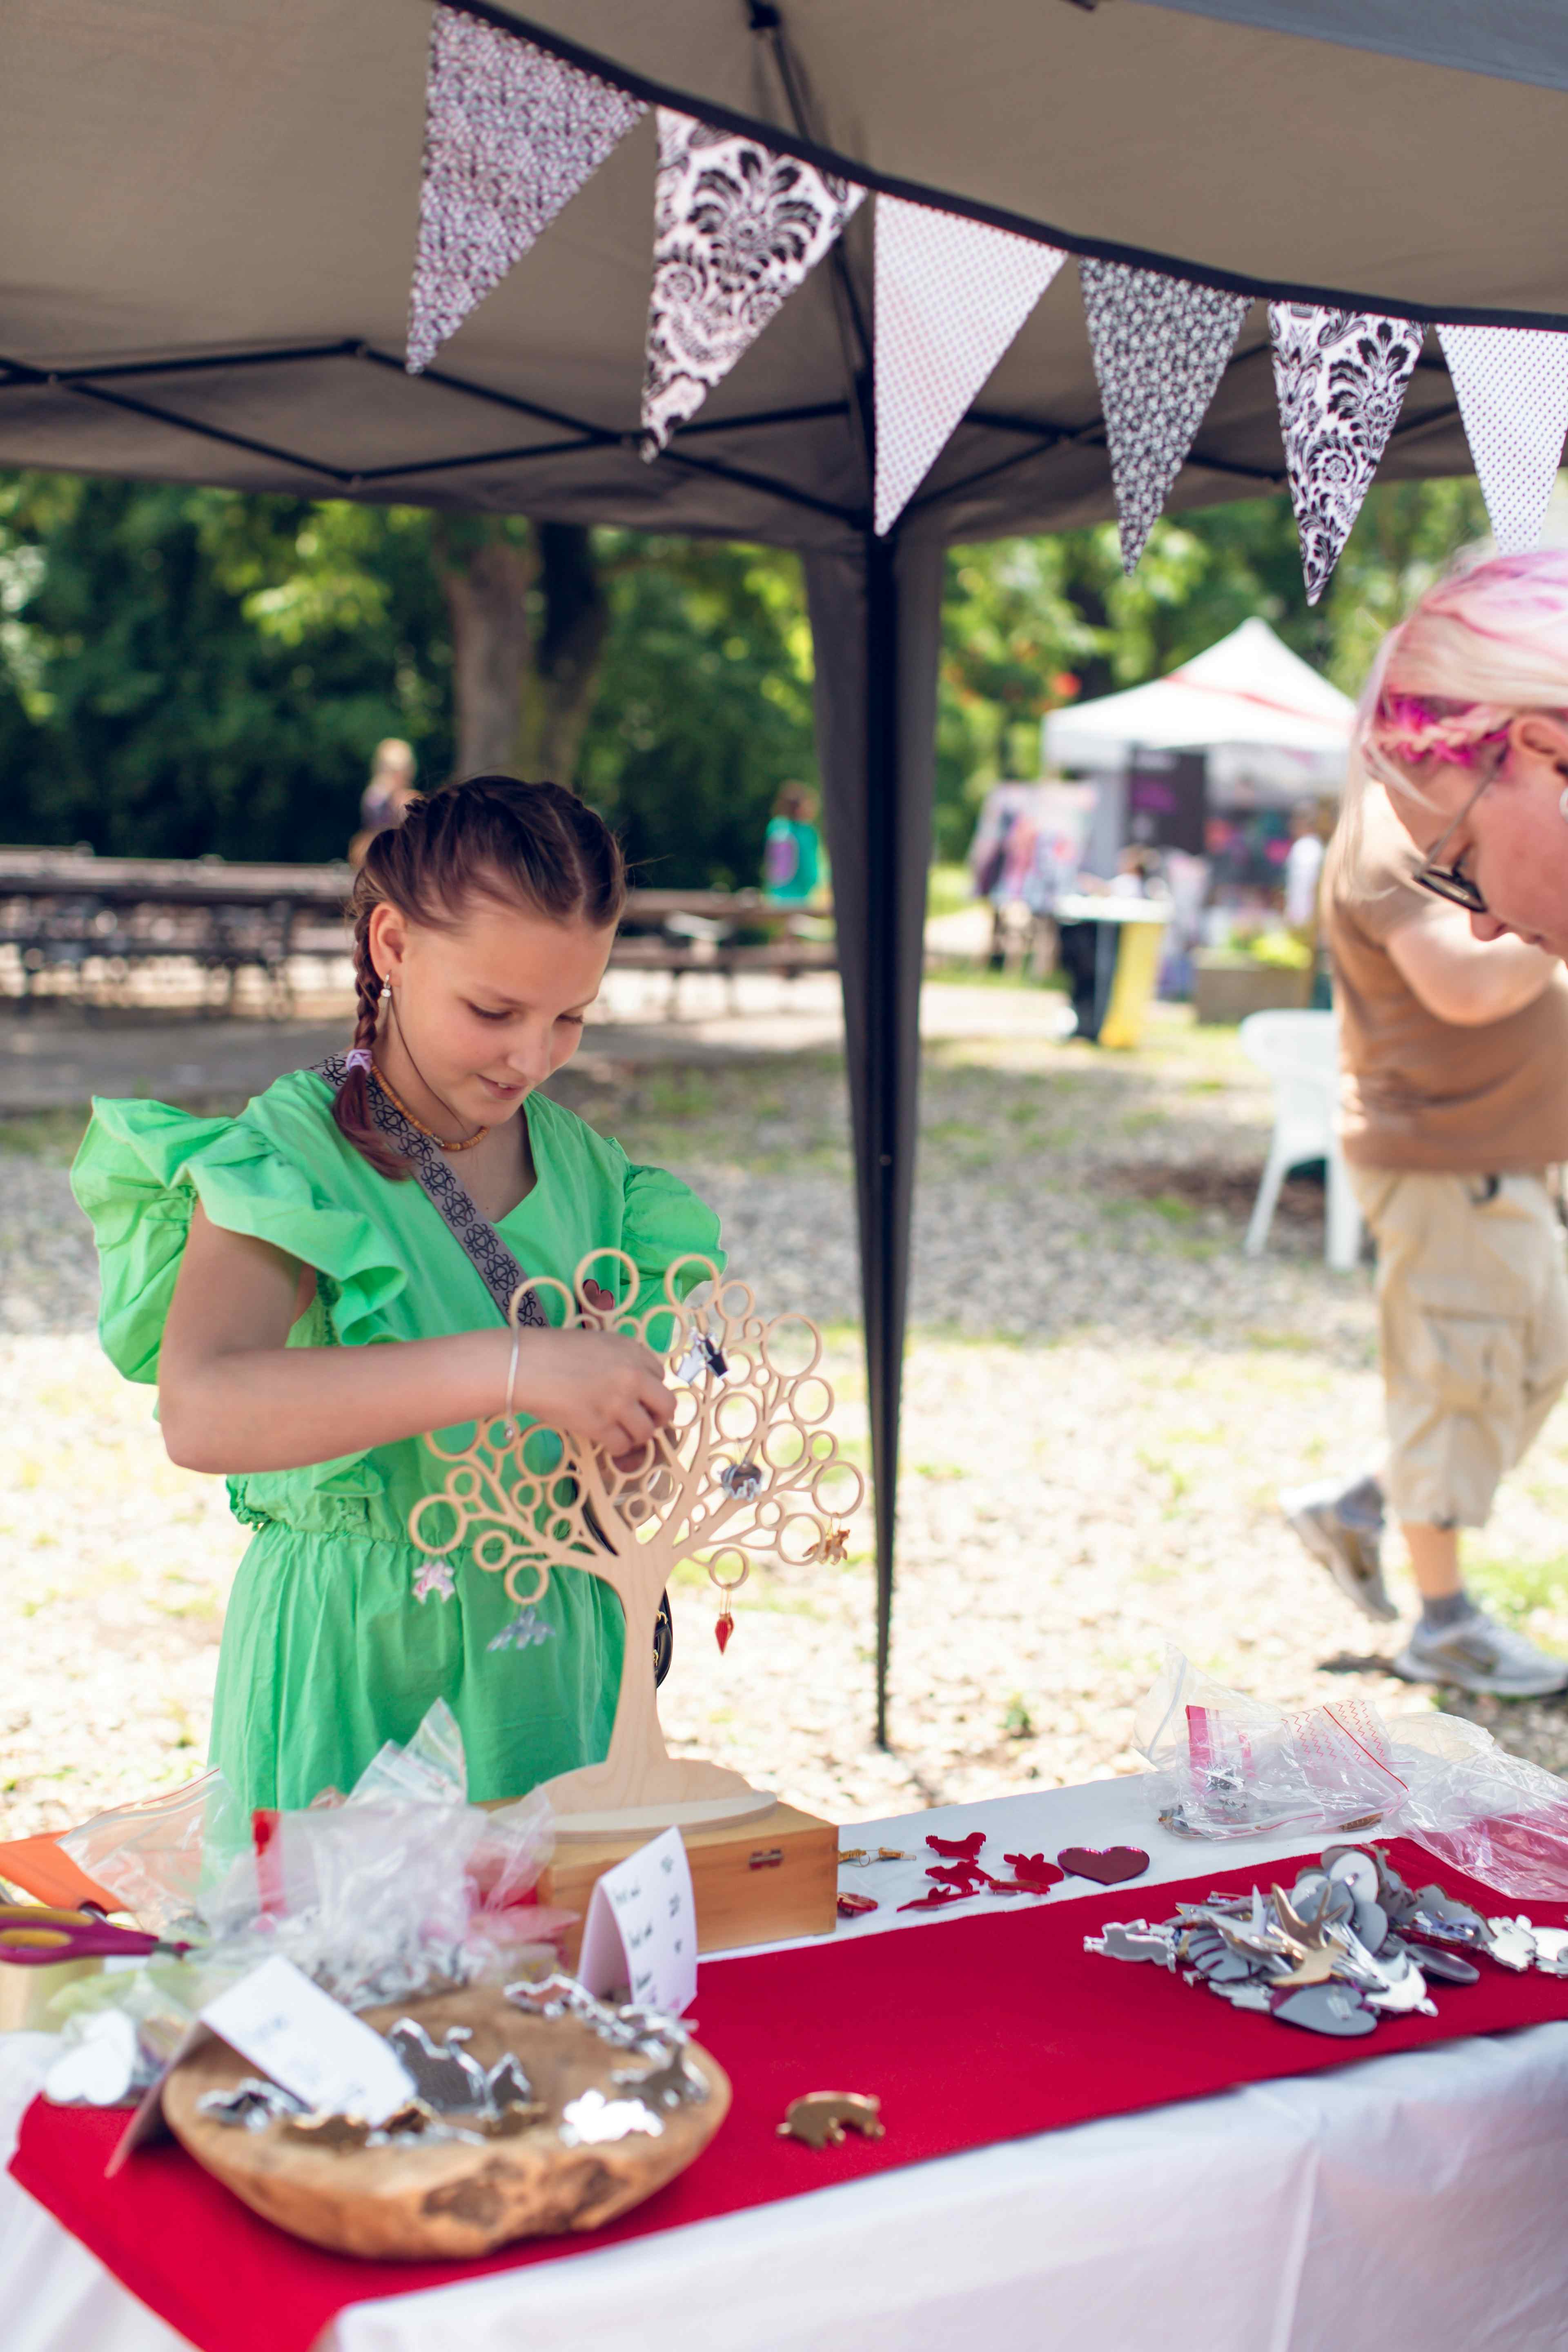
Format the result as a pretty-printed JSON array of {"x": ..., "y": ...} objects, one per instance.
[
  {"x": 1160, "y": 347},
  {"x": 1512, "y": 385},
  {"x": 736, "y": 230},
  {"x": 950, "y": 296},
  {"x": 510, "y": 135},
  {"x": 1340, "y": 378}
]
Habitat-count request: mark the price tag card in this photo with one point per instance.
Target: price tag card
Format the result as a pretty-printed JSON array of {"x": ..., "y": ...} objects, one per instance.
[
  {"x": 292, "y": 2030},
  {"x": 641, "y": 1929}
]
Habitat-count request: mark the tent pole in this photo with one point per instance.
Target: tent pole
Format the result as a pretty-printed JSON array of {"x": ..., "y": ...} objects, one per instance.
[
  {"x": 876, "y": 617},
  {"x": 884, "y": 1264}
]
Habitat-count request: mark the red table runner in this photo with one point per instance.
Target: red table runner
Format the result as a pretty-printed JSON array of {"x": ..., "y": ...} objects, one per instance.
[{"x": 970, "y": 2031}]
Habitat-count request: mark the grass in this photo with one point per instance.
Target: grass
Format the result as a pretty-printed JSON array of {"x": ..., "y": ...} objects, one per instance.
[{"x": 46, "y": 1134}]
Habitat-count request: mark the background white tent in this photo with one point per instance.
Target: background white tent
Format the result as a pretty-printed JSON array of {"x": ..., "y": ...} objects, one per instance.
[{"x": 1249, "y": 690}]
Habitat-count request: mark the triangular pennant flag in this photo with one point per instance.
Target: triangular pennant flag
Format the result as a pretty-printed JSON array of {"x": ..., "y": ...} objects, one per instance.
[
  {"x": 510, "y": 134},
  {"x": 950, "y": 296},
  {"x": 736, "y": 230},
  {"x": 1160, "y": 347},
  {"x": 1512, "y": 385},
  {"x": 1340, "y": 378}
]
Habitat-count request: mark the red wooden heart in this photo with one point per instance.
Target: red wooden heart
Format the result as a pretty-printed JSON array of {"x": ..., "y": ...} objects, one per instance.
[
  {"x": 1107, "y": 1865},
  {"x": 598, "y": 1296}
]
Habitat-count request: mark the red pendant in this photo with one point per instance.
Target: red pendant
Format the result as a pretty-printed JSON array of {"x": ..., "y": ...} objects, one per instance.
[
  {"x": 598, "y": 1296},
  {"x": 722, "y": 1631}
]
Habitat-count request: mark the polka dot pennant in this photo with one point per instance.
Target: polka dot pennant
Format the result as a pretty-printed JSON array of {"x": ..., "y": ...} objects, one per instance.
[
  {"x": 1512, "y": 385},
  {"x": 950, "y": 296}
]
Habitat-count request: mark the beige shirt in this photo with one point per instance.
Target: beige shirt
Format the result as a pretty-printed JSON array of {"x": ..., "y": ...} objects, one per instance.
[{"x": 1416, "y": 1091}]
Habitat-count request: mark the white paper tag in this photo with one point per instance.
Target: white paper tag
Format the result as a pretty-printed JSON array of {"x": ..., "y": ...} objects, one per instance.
[
  {"x": 304, "y": 2040},
  {"x": 641, "y": 1929}
]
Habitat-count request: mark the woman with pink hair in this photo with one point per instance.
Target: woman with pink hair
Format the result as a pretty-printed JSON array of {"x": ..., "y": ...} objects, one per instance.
[{"x": 1453, "y": 1105}]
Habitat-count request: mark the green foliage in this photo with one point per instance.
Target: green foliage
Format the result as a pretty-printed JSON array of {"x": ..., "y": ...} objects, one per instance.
[
  {"x": 189, "y": 671},
  {"x": 704, "y": 705}
]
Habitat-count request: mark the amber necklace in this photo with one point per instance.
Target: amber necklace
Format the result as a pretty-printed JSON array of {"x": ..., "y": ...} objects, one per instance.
[{"x": 465, "y": 1143}]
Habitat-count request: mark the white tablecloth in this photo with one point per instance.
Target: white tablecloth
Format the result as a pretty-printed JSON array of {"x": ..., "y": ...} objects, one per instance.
[{"x": 1415, "y": 2199}]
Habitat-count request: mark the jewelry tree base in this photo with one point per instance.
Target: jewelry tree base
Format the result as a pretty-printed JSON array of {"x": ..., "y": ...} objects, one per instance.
[{"x": 762, "y": 1881}]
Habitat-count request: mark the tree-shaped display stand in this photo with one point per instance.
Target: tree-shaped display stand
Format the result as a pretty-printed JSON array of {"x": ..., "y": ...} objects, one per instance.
[{"x": 746, "y": 1470}]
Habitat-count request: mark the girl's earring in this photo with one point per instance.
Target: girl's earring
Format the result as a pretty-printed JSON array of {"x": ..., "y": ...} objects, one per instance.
[
  {"x": 385, "y": 989},
  {"x": 1563, "y": 805}
]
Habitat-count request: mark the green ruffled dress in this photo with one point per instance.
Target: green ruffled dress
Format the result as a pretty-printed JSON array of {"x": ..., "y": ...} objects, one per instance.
[{"x": 334, "y": 1640}]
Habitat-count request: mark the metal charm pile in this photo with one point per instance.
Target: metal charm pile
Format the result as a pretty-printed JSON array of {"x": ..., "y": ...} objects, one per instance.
[
  {"x": 455, "y": 2098},
  {"x": 1350, "y": 1943}
]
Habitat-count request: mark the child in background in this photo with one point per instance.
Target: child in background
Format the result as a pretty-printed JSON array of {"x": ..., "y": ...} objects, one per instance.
[
  {"x": 792, "y": 850},
  {"x": 315, "y": 1284}
]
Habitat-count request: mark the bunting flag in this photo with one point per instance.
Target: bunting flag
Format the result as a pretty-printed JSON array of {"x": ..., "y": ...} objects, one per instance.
[
  {"x": 510, "y": 135},
  {"x": 950, "y": 296},
  {"x": 736, "y": 230},
  {"x": 1340, "y": 378},
  {"x": 1512, "y": 385},
  {"x": 1160, "y": 347}
]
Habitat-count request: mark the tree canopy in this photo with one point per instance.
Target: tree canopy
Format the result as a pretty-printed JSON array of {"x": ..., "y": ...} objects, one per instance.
[{"x": 190, "y": 671}]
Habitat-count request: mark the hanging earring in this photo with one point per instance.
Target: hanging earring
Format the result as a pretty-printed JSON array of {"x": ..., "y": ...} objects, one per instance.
[
  {"x": 385, "y": 989},
  {"x": 1563, "y": 805},
  {"x": 725, "y": 1625}
]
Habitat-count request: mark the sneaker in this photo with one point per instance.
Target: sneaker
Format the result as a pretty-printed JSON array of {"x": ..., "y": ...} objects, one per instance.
[
  {"x": 1477, "y": 1656},
  {"x": 1342, "y": 1526}
]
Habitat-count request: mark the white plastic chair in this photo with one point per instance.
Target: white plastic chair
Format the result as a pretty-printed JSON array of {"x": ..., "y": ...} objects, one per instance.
[{"x": 1300, "y": 1052}]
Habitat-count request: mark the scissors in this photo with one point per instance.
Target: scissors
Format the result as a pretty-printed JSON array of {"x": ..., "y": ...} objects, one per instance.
[{"x": 34, "y": 1935}]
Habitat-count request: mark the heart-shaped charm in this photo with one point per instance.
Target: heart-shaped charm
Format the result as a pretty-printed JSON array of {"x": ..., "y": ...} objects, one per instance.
[
  {"x": 1107, "y": 1865},
  {"x": 958, "y": 1849},
  {"x": 96, "y": 2070},
  {"x": 597, "y": 1296},
  {"x": 1327, "y": 2009}
]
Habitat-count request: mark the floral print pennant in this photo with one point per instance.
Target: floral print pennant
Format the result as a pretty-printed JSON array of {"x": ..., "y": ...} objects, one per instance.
[
  {"x": 1160, "y": 347},
  {"x": 736, "y": 230},
  {"x": 1340, "y": 378},
  {"x": 950, "y": 296},
  {"x": 510, "y": 135},
  {"x": 1512, "y": 385}
]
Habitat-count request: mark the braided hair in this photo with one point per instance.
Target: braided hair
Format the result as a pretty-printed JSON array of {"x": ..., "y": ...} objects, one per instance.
[{"x": 536, "y": 846}]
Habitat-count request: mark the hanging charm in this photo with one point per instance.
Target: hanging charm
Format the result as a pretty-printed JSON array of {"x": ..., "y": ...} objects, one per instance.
[{"x": 725, "y": 1625}]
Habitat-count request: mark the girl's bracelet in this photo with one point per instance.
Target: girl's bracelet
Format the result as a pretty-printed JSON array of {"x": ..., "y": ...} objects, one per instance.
[{"x": 511, "y": 1374}]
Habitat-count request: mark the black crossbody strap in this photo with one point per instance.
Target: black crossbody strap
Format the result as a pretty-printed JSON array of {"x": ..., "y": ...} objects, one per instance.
[{"x": 492, "y": 1261}]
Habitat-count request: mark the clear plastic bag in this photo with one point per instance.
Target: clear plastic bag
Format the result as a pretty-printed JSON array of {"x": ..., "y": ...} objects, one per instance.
[
  {"x": 1227, "y": 1765},
  {"x": 401, "y": 1885},
  {"x": 1477, "y": 1808},
  {"x": 160, "y": 1859}
]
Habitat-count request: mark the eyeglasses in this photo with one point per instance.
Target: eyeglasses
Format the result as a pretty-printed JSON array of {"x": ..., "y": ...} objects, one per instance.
[{"x": 1447, "y": 881}]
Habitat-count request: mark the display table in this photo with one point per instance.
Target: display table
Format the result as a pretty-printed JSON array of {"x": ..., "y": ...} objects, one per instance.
[{"x": 1416, "y": 2195}]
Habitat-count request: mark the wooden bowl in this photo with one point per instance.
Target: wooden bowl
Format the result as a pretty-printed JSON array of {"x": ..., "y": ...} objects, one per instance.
[{"x": 452, "y": 2197}]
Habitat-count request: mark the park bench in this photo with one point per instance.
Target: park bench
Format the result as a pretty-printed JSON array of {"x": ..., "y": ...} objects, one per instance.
[{"x": 95, "y": 919}]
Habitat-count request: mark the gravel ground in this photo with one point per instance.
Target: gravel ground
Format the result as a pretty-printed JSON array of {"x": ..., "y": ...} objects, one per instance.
[{"x": 1103, "y": 1397}]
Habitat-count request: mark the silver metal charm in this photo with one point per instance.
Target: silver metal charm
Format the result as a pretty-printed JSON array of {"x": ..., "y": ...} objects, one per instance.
[{"x": 592, "y": 2119}]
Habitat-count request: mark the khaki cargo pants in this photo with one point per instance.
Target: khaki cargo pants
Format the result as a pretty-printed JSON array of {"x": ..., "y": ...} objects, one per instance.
[{"x": 1472, "y": 1298}]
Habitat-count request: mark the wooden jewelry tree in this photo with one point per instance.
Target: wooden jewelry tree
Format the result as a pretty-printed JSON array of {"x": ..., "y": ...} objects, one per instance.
[{"x": 747, "y": 1469}]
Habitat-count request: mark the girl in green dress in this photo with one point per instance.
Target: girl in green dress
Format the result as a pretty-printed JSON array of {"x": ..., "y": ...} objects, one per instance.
[{"x": 311, "y": 1290}]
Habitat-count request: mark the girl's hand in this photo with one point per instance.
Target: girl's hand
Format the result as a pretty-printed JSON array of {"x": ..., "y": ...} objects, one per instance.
[{"x": 602, "y": 1386}]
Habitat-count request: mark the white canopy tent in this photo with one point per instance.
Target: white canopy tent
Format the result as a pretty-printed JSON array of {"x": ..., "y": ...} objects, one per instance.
[{"x": 1258, "y": 710}]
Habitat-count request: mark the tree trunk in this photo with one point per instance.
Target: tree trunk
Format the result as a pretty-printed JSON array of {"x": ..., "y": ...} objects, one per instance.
[
  {"x": 562, "y": 680},
  {"x": 486, "y": 592},
  {"x": 523, "y": 690}
]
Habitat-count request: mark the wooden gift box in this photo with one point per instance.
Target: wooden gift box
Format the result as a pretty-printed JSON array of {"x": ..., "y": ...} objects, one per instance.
[{"x": 754, "y": 1882}]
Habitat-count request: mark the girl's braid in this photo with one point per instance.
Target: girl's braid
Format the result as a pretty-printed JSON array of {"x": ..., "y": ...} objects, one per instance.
[{"x": 352, "y": 1108}]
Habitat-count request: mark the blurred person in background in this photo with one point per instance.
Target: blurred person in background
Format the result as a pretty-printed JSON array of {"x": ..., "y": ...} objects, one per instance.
[
  {"x": 791, "y": 848},
  {"x": 1303, "y": 872},
  {"x": 1453, "y": 1105},
  {"x": 387, "y": 794}
]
